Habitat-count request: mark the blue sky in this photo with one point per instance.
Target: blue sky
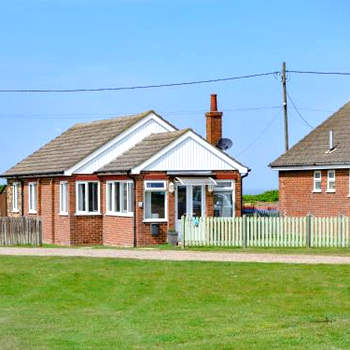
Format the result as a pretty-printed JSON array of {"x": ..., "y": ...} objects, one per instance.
[{"x": 80, "y": 43}]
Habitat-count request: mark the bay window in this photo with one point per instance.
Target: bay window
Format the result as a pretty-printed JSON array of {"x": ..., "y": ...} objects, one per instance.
[
  {"x": 317, "y": 181},
  {"x": 223, "y": 199},
  {"x": 331, "y": 181},
  {"x": 32, "y": 197},
  {"x": 120, "y": 198},
  {"x": 155, "y": 201},
  {"x": 63, "y": 197},
  {"x": 88, "y": 197},
  {"x": 15, "y": 207}
]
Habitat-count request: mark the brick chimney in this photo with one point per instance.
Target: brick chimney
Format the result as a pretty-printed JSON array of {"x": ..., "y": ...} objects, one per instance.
[{"x": 213, "y": 122}]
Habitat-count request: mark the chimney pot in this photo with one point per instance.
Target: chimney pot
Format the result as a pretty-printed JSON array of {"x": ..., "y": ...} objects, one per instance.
[{"x": 213, "y": 103}]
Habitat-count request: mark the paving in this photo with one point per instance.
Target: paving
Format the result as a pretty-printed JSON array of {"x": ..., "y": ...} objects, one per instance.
[{"x": 178, "y": 255}]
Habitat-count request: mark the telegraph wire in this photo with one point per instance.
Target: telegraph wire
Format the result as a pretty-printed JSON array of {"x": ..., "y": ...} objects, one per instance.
[
  {"x": 137, "y": 87},
  {"x": 262, "y": 133},
  {"x": 298, "y": 112},
  {"x": 317, "y": 72}
]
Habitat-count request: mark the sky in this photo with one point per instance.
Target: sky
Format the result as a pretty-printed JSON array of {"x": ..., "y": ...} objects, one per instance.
[{"x": 89, "y": 44}]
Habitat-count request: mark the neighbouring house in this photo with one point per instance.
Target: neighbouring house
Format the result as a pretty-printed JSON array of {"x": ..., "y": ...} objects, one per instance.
[
  {"x": 125, "y": 181},
  {"x": 3, "y": 201},
  {"x": 314, "y": 174}
]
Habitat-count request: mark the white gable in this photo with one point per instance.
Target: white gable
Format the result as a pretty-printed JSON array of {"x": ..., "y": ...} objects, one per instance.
[
  {"x": 151, "y": 124},
  {"x": 190, "y": 152}
]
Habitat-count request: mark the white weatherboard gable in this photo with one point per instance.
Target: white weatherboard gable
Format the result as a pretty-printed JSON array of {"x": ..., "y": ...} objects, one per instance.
[
  {"x": 151, "y": 124},
  {"x": 189, "y": 152}
]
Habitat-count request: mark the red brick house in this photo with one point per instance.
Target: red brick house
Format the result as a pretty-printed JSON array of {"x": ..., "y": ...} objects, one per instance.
[
  {"x": 314, "y": 174},
  {"x": 125, "y": 181}
]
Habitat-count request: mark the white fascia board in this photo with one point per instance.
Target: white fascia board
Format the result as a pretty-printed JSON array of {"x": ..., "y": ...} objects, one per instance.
[
  {"x": 312, "y": 167},
  {"x": 124, "y": 134},
  {"x": 202, "y": 142}
]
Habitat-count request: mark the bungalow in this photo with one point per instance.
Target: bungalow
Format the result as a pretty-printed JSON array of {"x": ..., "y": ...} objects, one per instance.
[
  {"x": 314, "y": 174},
  {"x": 125, "y": 181}
]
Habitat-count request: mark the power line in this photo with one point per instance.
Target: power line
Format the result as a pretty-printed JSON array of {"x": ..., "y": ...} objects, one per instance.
[
  {"x": 94, "y": 115},
  {"x": 298, "y": 112},
  {"x": 208, "y": 81},
  {"x": 262, "y": 133},
  {"x": 317, "y": 73}
]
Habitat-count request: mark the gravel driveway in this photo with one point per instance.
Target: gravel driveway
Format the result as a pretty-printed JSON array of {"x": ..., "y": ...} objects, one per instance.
[{"x": 172, "y": 255}]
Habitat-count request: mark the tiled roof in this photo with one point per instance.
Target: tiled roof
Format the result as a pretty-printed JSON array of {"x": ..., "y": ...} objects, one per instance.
[
  {"x": 313, "y": 149},
  {"x": 142, "y": 151},
  {"x": 73, "y": 145}
]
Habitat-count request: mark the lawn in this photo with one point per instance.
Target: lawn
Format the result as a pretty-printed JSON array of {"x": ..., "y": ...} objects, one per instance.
[{"x": 81, "y": 303}]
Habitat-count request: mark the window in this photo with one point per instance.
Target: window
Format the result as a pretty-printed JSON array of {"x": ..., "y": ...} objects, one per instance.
[
  {"x": 223, "y": 199},
  {"x": 317, "y": 181},
  {"x": 120, "y": 197},
  {"x": 331, "y": 181},
  {"x": 155, "y": 201},
  {"x": 15, "y": 208},
  {"x": 63, "y": 198},
  {"x": 88, "y": 197},
  {"x": 32, "y": 193}
]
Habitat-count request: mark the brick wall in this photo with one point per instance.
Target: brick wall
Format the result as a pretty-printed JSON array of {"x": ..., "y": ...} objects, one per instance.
[{"x": 298, "y": 199}]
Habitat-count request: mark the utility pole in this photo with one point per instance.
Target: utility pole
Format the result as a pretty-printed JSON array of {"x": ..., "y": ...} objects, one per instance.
[{"x": 285, "y": 107}]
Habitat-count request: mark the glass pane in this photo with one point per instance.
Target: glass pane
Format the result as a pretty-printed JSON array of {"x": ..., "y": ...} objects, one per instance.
[
  {"x": 227, "y": 184},
  {"x": 130, "y": 198},
  {"x": 197, "y": 200},
  {"x": 223, "y": 204},
  {"x": 155, "y": 205},
  {"x": 124, "y": 197},
  {"x": 93, "y": 194},
  {"x": 331, "y": 185},
  {"x": 181, "y": 201},
  {"x": 117, "y": 196},
  {"x": 155, "y": 185},
  {"x": 317, "y": 175},
  {"x": 331, "y": 174},
  {"x": 81, "y": 197},
  {"x": 110, "y": 196},
  {"x": 317, "y": 185},
  {"x": 34, "y": 196}
]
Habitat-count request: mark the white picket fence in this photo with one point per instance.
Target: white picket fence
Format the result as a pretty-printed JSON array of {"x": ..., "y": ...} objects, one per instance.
[{"x": 267, "y": 231}]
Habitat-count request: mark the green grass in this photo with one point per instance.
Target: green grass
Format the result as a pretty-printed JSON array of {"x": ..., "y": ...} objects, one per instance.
[
  {"x": 80, "y": 303},
  {"x": 1, "y": 188},
  {"x": 267, "y": 196}
]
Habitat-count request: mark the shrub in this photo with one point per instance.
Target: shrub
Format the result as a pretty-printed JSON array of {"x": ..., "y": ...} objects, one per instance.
[{"x": 267, "y": 196}]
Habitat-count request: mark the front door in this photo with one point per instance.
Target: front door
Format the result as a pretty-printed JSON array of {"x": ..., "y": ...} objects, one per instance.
[{"x": 189, "y": 201}]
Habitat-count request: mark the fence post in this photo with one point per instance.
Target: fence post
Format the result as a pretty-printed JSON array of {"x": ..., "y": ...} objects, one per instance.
[
  {"x": 308, "y": 230},
  {"x": 183, "y": 230},
  {"x": 244, "y": 231}
]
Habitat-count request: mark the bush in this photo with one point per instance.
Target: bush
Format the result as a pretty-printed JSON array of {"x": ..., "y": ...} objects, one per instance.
[
  {"x": 267, "y": 196},
  {"x": 1, "y": 188}
]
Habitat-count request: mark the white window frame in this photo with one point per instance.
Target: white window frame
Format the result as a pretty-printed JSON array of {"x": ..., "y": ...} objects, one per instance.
[
  {"x": 64, "y": 195},
  {"x": 225, "y": 189},
  {"x": 129, "y": 201},
  {"x": 156, "y": 189},
  {"x": 32, "y": 198},
  {"x": 15, "y": 207},
  {"x": 316, "y": 180},
  {"x": 87, "y": 212},
  {"x": 329, "y": 180}
]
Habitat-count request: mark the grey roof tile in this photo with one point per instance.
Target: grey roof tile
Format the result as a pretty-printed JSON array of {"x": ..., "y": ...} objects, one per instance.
[
  {"x": 313, "y": 149},
  {"x": 73, "y": 145}
]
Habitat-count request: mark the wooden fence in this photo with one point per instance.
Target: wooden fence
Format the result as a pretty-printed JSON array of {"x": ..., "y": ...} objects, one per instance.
[
  {"x": 267, "y": 231},
  {"x": 20, "y": 231}
]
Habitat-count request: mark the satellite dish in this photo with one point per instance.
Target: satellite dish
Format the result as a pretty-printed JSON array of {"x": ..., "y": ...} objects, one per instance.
[{"x": 224, "y": 144}]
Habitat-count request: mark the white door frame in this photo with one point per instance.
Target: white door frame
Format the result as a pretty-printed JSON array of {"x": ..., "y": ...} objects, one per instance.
[{"x": 189, "y": 203}]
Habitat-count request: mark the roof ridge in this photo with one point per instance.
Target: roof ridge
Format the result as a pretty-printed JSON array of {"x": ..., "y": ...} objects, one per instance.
[{"x": 113, "y": 119}]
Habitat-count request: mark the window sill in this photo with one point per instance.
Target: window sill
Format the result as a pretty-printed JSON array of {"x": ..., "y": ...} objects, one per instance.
[
  {"x": 63, "y": 214},
  {"x": 317, "y": 191},
  {"x": 149, "y": 221},
  {"x": 32, "y": 212},
  {"x": 88, "y": 214},
  {"x": 15, "y": 211},
  {"x": 128, "y": 215},
  {"x": 330, "y": 191}
]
